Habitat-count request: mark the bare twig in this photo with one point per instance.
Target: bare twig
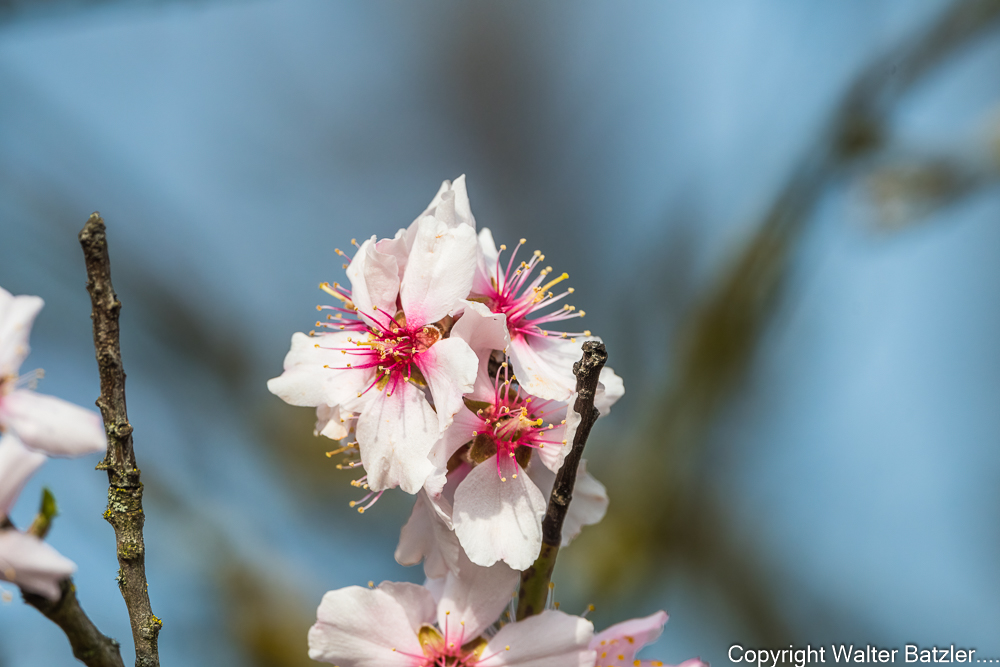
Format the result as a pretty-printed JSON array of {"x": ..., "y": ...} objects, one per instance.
[
  {"x": 124, "y": 511},
  {"x": 535, "y": 580},
  {"x": 89, "y": 646}
]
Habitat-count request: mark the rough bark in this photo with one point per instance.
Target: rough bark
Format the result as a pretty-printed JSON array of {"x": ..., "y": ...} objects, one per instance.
[
  {"x": 124, "y": 511},
  {"x": 535, "y": 580}
]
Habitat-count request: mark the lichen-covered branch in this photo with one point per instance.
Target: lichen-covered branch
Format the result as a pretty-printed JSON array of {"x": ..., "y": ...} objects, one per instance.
[
  {"x": 124, "y": 511},
  {"x": 535, "y": 580},
  {"x": 90, "y": 646}
]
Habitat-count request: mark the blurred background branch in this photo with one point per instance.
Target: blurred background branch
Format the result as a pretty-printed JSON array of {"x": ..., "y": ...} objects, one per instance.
[{"x": 666, "y": 509}]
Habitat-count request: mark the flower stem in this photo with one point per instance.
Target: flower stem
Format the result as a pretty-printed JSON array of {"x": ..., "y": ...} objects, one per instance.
[{"x": 535, "y": 580}]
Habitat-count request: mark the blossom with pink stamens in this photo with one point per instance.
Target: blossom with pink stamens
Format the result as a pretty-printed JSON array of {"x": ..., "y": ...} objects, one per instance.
[
  {"x": 617, "y": 646},
  {"x": 387, "y": 354},
  {"x": 542, "y": 359},
  {"x": 497, "y": 511},
  {"x": 394, "y": 626}
]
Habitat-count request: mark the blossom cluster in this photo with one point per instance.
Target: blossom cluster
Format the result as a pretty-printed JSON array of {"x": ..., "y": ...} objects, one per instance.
[
  {"x": 444, "y": 367},
  {"x": 33, "y": 427}
]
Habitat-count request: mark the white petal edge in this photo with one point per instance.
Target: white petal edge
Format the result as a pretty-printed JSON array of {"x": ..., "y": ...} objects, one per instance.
[
  {"x": 550, "y": 639},
  {"x": 497, "y": 520},
  {"x": 52, "y": 425}
]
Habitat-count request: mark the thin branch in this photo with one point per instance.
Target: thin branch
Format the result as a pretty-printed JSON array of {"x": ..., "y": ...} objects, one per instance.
[
  {"x": 89, "y": 646},
  {"x": 124, "y": 511},
  {"x": 535, "y": 580}
]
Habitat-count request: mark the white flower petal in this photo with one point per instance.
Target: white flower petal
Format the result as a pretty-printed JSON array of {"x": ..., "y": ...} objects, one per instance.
[
  {"x": 497, "y": 520},
  {"x": 17, "y": 314},
  {"x": 544, "y": 365},
  {"x": 439, "y": 272},
  {"x": 360, "y": 627},
  {"x": 590, "y": 499},
  {"x": 609, "y": 390},
  {"x": 52, "y": 425},
  {"x": 449, "y": 366},
  {"x": 317, "y": 376},
  {"x": 374, "y": 277},
  {"x": 459, "y": 433},
  {"x": 565, "y": 422},
  {"x": 395, "y": 435},
  {"x": 399, "y": 247},
  {"x": 332, "y": 422},
  {"x": 451, "y": 204},
  {"x": 17, "y": 464},
  {"x": 427, "y": 537},
  {"x": 486, "y": 264},
  {"x": 484, "y": 331},
  {"x": 481, "y": 328},
  {"x": 32, "y": 564},
  {"x": 415, "y": 600},
  {"x": 475, "y": 597},
  {"x": 550, "y": 639}
]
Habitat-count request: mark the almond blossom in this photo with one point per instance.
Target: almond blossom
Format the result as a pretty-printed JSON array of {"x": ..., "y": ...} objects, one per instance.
[
  {"x": 617, "y": 646},
  {"x": 31, "y": 426},
  {"x": 25, "y": 560},
  {"x": 44, "y": 423},
  {"x": 542, "y": 359},
  {"x": 393, "y": 625},
  {"x": 388, "y": 356},
  {"x": 429, "y": 535},
  {"x": 498, "y": 509}
]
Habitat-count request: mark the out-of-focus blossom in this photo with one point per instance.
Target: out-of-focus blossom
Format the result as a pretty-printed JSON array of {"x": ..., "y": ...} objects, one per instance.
[
  {"x": 25, "y": 560},
  {"x": 617, "y": 646},
  {"x": 394, "y": 626},
  {"x": 44, "y": 423},
  {"x": 31, "y": 426}
]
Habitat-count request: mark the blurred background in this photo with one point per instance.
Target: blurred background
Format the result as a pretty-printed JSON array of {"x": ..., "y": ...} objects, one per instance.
[{"x": 782, "y": 217}]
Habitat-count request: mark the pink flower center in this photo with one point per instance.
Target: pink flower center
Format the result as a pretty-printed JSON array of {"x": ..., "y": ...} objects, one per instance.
[
  {"x": 389, "y": 345},
  {"x": 512, "y": 426},
  {"x": 517, "y": 295}
]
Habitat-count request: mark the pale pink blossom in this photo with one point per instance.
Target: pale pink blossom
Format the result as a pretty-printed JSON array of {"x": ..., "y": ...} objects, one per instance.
[
  {"x": 497, "y": 509},
  {"x": 44, "y": 423},
  {"x": 402, "y": 625},
  {"x": 429, "y": 535},
  {"x": 388, "y": 356},
  {"x": 617, "y": 646},
  {"x": 25, "y": 560},
  {"x": 32, "y": 426},
  {"x": 542, "y": 359}
]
